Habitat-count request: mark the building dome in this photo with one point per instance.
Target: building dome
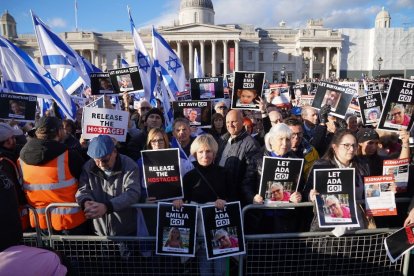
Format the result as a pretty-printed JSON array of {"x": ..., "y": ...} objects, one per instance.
[
  {"x": 383, "y": 19},
  {"x": 8, "y": 25},
  {"x": 196, "y": 4}
]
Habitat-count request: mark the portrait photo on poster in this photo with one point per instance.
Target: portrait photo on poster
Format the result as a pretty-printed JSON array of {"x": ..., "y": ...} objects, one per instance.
[
  {"x": 193, "y": 114},
  {"x": 176, "y": 239},
  {"x": 17, "y": 109},
  {"x": 278, "y": 191},
  {"x": 331, "y": 98},
  {"x": 124, "y": 82},
  {"x": 399, "y": 116},
  {"x": 246, "y": 97},
  {"x": 225, "y": 240},
  {"x": 336, "y": 208}
]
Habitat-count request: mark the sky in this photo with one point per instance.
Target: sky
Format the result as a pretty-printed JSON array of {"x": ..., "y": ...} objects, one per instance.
[{"x": 111, "y": 15}]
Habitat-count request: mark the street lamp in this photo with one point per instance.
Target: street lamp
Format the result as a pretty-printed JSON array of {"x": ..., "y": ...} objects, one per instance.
[
  {"x": 306, "y": 60},
  {"x": 283, "y": 75},
  {"x": 380, "y": 60},
  {"x": 274, "y": 60}
]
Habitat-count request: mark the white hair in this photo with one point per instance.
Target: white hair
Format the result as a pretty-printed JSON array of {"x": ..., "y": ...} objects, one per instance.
[{"x": 279, "y": 130}]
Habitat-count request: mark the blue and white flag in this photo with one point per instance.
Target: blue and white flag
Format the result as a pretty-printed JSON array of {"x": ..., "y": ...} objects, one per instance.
[
  {"x": 21, "y": 74},
  {"x": 168, "y": 65},
  {"x": 65, "y": 64},
  {"x": 124, "y": 63},
  {"x": 198, "y": 71},
  {"x": 144, "y": 62}
]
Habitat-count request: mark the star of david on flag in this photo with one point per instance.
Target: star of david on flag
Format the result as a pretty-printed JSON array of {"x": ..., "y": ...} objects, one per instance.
[
  {"x": 168, "y": 65},
  {"x": 21, "y": 74}
]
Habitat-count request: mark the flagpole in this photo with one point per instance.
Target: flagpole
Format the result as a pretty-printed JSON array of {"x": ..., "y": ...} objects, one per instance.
[{"x": 76, "y": 15}]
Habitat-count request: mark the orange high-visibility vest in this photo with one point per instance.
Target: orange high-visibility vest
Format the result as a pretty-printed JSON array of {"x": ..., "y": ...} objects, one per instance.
[{"x": 49, "y": 183}]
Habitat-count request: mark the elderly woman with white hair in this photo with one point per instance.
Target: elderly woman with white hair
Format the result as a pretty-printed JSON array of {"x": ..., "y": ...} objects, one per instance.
[{"x": 277, "y": 144}]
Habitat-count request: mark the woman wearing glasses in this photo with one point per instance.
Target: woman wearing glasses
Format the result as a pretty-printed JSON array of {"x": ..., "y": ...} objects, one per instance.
[{"x": 342, "y": 153}]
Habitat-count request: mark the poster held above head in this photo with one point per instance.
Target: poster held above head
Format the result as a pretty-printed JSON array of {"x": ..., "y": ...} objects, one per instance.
[
  {"x": 126, "y": 79},
  {"x": 162, "y": 174},
  {"x": 280, "y": 178},
  {"x": 207, "y": 88},
  {"x": 337, "y": 96},
  {"x": 335, "y": 203},
  {"x": 371, "y": 107},
  {"x": 224, "y": 235},
  {"x": 105, "y": 121},
  {"x": 398, "y": 106},
  {"x": 101, "y": 84},
  {"x": 98, "y": 103},
  {"x": 248, "y": 87},
  {"x": 197, "y": 112},
  {"x": 18, "y": 107},
  {"x": 176, "y": 230},
  {"x": 399, "y": 169}
]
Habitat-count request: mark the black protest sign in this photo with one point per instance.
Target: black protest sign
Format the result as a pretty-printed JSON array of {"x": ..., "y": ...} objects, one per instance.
[
  {"x": 176, "y": 230},
  {"x": 197, "y": 112},
  {"x": 230, "y": 80},
  {"x": 248, "y": 87},
  {"x": 399, "y": 106},
  {"x": 371, "y": 107},
  {"x": 18, "y": 107},
  {"x": 300, "y": 89},
  {"x": 98, "y": 103},
  {"x": 162, "y": 173},
  {"x": 337, "y": 96},
  {"x": 126, "y": 79},
  {"x": 335, "y": 203},
  {"x": 399, "y": 242},
  {"x": 101, "y": 84},
  {"x": 207, "y": 88},
  {"x": 280, "y": 178},
  {"x": 223, "y": 230}
]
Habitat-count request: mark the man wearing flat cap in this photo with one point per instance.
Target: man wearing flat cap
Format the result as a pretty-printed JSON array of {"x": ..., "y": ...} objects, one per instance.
[
  {"x": 50, "y": 175},
  {"x": 108, "y": 185}
]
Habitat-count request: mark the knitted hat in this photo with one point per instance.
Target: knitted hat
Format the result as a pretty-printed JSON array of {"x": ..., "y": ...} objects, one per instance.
[{"x": 155, "y": 111}]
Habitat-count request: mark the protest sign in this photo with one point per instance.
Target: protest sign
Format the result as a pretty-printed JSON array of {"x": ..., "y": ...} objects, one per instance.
[
  {"x": 101, "y": 84},
  {"x": 79, "y": 101},
  {"x": 335, "y": 203},
  {"x": 354, "y": 105},
  {"x": 337, "y": 96},
  {"x": 207, "y": 88},
  {"x": 305, "y": 100},
  {"x": 98, "y": 103},
  {"x": 111, "y": 122},
  {"x": 278, "y": 94},
  {"x": 399, "y": 242},
  {"x": 399, "y": 106},
  {"x": 230, "y": 80},
  {"x": 248, "y": 88},
  {"x": 379, "y": 197},
  {"x": 223, "y": 230},
  {"x": 126, "y": 79},
  {"x": 399, "y": 168},
  {"x": 299, "y": 90},
  {"x": 176, "y": 230},
  {"x": 280, "y": 178},
  {"x": 162, "y": 173},
  {"x": 371, "y": 107},
  {"x": 197, "y": 112},
  {"x": 18, "y": 107}
]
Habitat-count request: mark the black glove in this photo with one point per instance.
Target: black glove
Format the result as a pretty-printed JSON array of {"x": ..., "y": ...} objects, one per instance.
[
  {"x": 323, "y": 114},
  {"x": 341, "y": 124}
]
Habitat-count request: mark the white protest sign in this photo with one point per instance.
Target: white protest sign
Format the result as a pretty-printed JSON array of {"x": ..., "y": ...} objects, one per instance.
[{"x": 105, "y": 121}]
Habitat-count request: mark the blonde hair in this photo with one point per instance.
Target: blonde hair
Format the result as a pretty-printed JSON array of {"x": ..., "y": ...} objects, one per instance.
[
  {"x": 151, "y": 135},
  {"x": 204, "y": 140}
]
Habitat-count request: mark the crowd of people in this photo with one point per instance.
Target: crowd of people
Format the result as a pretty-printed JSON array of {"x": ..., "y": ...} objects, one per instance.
[{"x": 50, "y": 162}]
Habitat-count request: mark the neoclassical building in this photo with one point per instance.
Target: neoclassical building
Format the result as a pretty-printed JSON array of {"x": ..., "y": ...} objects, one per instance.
[{"x": 314, "y": 51}]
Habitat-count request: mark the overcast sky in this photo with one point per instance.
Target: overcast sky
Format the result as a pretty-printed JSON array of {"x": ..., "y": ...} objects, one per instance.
[{"x": 109, "y": 15}]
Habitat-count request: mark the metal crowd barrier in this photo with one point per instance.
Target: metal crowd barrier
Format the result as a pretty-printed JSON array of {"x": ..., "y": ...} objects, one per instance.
[{"x": 310, "y": 253}]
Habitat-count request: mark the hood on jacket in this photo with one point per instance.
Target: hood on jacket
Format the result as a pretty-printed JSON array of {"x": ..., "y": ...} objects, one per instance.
[{"x": 37, "y": 151}]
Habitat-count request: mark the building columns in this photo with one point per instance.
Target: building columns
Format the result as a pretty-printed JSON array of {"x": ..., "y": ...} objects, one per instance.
[
  {"x": 213, "y": 58},
  {"x": 311, "y": 63},
  {"x": 338, "y": 62},
  {"x": 327, "y": 62},
  {"x": 202, "y": 54},
  {"x": 179, "y": 49},
  {"x": 236, "y": 55},
  {"x": 225, "y": 58},
  {"x": 190, "y": 59}
]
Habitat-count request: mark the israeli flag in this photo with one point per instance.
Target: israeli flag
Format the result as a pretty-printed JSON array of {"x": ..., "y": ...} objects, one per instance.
[
  {"x": 198, "y": 71},
  {"x": 21, "y": 74},
  {"x": 168, "y": 65},
  {"x": 144, "y": 62},
  {"x": 124, "y": 63},
  {"x": 65, "y": 64}
]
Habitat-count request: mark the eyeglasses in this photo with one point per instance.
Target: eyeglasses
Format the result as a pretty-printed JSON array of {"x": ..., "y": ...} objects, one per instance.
[
  {"x": 297, "y": 134},
  {"x": 221, "y": 238},
  {"x": 275, "y": 191},
  {"x": 332, "y": 206},
  {"x": 348, "y": 146},
  {"x": 157, "y": 141},
  {"x": 396, "y": 113}
]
